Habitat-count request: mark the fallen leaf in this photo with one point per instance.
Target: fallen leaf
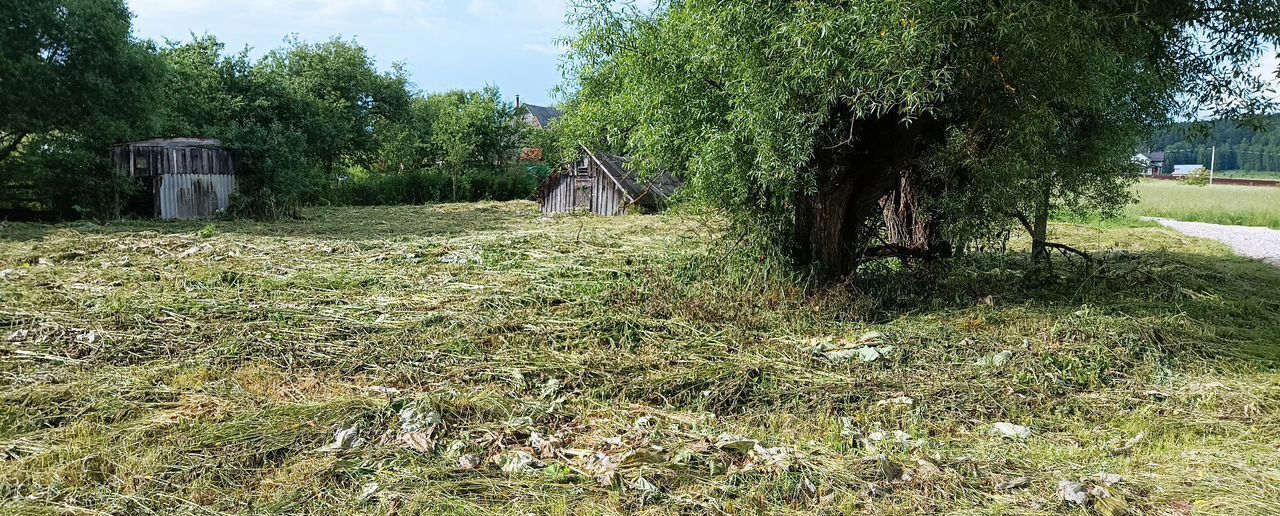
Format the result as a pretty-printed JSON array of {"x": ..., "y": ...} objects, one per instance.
[
  {"x": 900, "y": 400},
  {"x": 996, "y": 360},
  {"x": 736, "y": 443},
  {"x": 1011, "y": 430},
  {"x": 927, "y": 470},
  {"x": 419, "y": 441},
  {"x": 1130, "y": 444},
  {"x": 369, "y": 492},
  {"x": 469, "y": 462},
  {"x": 1072, "y": 492},
  {"x": 345, "y": 439},
  {"x": 1108, "y": 479},
  {"x": 516, "y": 461}
]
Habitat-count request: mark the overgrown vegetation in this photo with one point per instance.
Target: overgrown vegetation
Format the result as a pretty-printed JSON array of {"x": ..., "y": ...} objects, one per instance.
[
  {"x": 618, "y": 366},
  {"x": 303, "y": 117},
  {"x": 1218, "y": 204},
  {"x": 833, "y": 132}
]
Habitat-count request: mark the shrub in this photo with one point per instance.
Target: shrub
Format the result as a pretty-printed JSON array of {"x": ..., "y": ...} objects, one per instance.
[
  {"x": 434, "y": 185},
  {"x": 1198, "y": 178}
]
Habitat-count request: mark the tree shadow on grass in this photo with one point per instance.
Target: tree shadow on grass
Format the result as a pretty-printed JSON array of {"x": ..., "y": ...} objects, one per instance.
[{"x": 1232, "y": 302}]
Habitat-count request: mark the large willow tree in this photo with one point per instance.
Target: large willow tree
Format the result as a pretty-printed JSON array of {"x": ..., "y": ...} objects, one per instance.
[{"x": 830, "y": 131}]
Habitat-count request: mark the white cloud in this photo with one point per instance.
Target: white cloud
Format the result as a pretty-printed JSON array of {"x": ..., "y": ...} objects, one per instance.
[{"x": 550, "y": 50}]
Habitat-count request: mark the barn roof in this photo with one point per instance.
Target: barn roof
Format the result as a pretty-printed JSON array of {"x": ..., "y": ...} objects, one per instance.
[
  {"x": 175, "y": 142},
  {"x": 544, "y": 115},
  {"x": 653, "y": 193}
]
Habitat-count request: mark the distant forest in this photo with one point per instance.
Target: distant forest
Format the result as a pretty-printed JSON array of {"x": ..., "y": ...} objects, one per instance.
[{"x": 1239, "y": 148}]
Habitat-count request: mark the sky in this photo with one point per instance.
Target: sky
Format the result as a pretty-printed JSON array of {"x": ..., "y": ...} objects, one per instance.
[{"x": 446, "y": 44}]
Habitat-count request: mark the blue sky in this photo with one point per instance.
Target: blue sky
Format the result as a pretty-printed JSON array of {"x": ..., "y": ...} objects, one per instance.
[{"x": 447, "y": 44}]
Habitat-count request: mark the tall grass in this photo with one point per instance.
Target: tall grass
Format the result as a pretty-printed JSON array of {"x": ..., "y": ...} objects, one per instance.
[{"x": 1234, "y": 205}]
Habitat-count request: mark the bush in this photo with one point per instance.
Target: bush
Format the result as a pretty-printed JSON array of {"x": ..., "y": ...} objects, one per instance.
[
  {"x": 434, "y": 185},
  {"x": 1198, "y": 178}
]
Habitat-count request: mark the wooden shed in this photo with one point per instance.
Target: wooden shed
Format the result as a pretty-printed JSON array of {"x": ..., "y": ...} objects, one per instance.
[
  {"x": 602, "y": 184},
  {"x": 188, "y": 178}
]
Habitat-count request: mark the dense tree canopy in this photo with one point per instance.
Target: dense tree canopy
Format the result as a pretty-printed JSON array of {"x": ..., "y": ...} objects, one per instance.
[
  {"x": 310, "y": 122},
  {"x": 832, "y": 131},
  {"x": 72, "y": 79}
]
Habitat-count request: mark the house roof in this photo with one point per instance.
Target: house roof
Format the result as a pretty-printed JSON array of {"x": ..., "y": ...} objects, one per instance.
[
  {"x": 1186, "y": 170},
  {"x": 1154, "y": 155},
  {"x": 542, "y": 114},
  {"x": 648, "y": 193}
]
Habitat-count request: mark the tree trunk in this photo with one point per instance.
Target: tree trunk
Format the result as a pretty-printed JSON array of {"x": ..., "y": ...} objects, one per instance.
[
  {"x": 834, "y": 221},
  {"x": 12, "y": 145},
  {"x": 1040, "y": 227},
  {"x": 909, "y": 225}
]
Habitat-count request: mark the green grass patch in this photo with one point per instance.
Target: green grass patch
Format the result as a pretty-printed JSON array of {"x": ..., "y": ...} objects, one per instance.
[
  {"x": 151, "y": 367},
  {"x": 1217, "y": 204}
]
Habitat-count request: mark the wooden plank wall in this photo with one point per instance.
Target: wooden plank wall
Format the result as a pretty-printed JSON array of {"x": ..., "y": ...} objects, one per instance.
[
  {"x": 604, "y": 196},
  {"x": 149, "y": 161}
]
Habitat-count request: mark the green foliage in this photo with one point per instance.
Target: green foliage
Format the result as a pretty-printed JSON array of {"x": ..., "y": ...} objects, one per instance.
[
  {"x": 800, "y": 120},
  {"x": 435, "y": 185},
  {"x": 1198, "y": 178},
  {"x": 72, "y": 80},
  {"x": 297, "y": 118}
]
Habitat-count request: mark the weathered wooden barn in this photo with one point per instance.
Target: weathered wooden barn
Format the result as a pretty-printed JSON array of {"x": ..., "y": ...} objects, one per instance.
[
  {"x": 188, "y": 178},
  {"x": 602, "y": 184}
]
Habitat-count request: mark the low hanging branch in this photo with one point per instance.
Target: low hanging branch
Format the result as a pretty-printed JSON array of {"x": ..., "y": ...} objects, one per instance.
[{"x": 1064, "y": 248}]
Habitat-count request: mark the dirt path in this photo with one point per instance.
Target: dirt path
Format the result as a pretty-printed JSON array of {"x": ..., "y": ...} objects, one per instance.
[{"x": 1253, "y": 242}]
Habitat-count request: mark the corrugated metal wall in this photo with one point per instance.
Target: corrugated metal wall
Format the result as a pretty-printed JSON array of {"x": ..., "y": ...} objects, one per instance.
[
  {"x": 194, "y": 178},
  {"x": 193, "y": 196}
]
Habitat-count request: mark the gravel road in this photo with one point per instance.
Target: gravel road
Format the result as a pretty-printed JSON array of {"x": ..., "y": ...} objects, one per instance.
[{"x": 1260, "y": 243}]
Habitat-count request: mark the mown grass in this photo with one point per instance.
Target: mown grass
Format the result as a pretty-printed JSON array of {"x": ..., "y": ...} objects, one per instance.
[
  {"x": 181, "y": 368},
  {"x": 1217, "y": 204}
]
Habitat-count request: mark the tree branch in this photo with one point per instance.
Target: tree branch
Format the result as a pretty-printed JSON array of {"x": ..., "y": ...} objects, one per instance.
[
  {"x": 1068, "y": 249},
  {"x": 12, "y": 146}
]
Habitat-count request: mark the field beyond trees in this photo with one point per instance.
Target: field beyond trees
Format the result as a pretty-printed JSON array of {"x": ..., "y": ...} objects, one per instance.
[
  {"x": 1216, "y": 204},
  {"x": 493, "y": 360}
]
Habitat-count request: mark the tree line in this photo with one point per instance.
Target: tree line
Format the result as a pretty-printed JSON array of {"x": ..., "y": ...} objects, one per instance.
[
  {"x": 1253, "y": 147},
  {"x": 312, "y": 122}
]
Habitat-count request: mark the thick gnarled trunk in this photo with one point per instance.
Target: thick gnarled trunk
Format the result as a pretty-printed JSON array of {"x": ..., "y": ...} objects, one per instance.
[
  {"x": 838, "y": 218},
  {"x": 910, "y": 227}
]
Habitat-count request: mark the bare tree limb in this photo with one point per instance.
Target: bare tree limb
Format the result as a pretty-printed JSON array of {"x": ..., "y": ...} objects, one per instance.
[{"x": 1068, "y": 249}]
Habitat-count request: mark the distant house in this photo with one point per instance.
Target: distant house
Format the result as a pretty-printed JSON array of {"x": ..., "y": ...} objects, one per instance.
[
  {"x": 604, "y": 185},
  {"x": 1152, "y": 162},
  {"x": 1186, "y": 170},
  {"x": 537, "y": 116}
]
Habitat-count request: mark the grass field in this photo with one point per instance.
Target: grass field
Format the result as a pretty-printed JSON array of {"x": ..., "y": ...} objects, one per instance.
[
  {"x": 1250, "y": 174},
  {"x": 1234, "y": 205},
  {"x": 491, "y": 360}
]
